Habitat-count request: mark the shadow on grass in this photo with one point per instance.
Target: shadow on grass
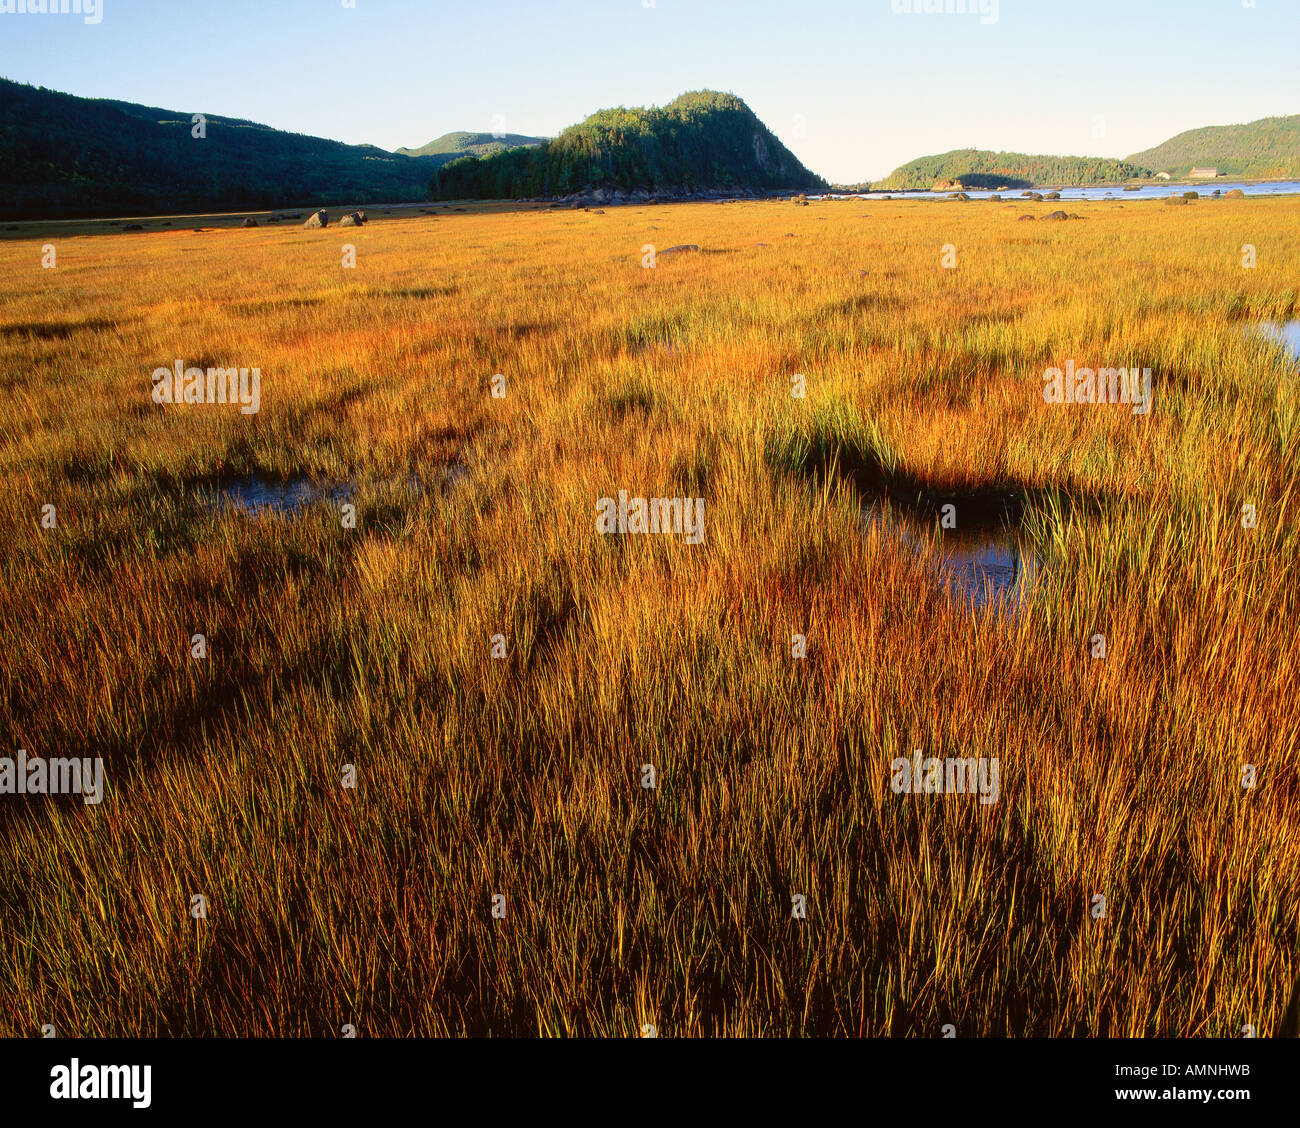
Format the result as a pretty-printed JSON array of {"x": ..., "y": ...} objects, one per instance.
[{"x": 878, "y": 477}]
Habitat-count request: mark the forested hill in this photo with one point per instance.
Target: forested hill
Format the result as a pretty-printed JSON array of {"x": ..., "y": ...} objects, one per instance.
[
  {"x": 980, "y": 168},
  {"x": 64, "y": 156},
  {"x": 1269, "y": 147},
  {"x": 703, "y": 141}
]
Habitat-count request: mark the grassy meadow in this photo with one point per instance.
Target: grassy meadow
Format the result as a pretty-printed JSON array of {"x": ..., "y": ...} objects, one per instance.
[{"x": 372, "y": 646}]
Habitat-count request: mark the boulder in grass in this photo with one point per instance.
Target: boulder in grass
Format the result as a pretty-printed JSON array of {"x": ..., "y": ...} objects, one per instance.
[
  {"x": 353, "y": 219},
  {"x": 1056, "y": 215},
  {"x": 681, "y": 247},
  {"x": 1022, "y": 219},
  {"x": 1052, "y": 196},
  {"x": 249, "y": 222},
  {"x": 318, "y": 219}
]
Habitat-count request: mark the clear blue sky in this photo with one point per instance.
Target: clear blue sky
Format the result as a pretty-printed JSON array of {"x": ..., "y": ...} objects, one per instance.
[{"x": 852, "y": 87}]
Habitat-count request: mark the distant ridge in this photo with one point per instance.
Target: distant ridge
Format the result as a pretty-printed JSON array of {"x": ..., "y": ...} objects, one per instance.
[
  {"x": 1269, "y": 147},
  {"x": 980, "y": 168},
  {"x": 702, "y": 142},
  {"x": 452, "y": 145}
]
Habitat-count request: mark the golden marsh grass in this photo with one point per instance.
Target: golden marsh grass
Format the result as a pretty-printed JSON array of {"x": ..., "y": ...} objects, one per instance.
[{"x": 626, "y": 906}]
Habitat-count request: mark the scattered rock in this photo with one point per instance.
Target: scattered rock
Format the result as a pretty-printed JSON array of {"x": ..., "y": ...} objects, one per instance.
[
  {"x": 1056, "y": 215},
  {"x": 318, "y": 219},
  {"x": 1052, "y": 196},
  {"x": 249, "y": 222},
  {"x": 995, "y": 196},
  {"x": 680, "y": 247},
  {"x": 1038, "y": 196},
  {"x": 1025, "y": 217},
  {"x": 801, "y": 201},
  {"x": 132, "y": 227},
  {"x": 353, "y": 219}
]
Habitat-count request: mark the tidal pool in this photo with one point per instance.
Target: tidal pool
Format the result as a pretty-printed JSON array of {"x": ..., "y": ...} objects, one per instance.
[
  {"x": 981, "y": 567},
  {"x": 259, "y": 495},
  {"x": 1286, "y": 334}
]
